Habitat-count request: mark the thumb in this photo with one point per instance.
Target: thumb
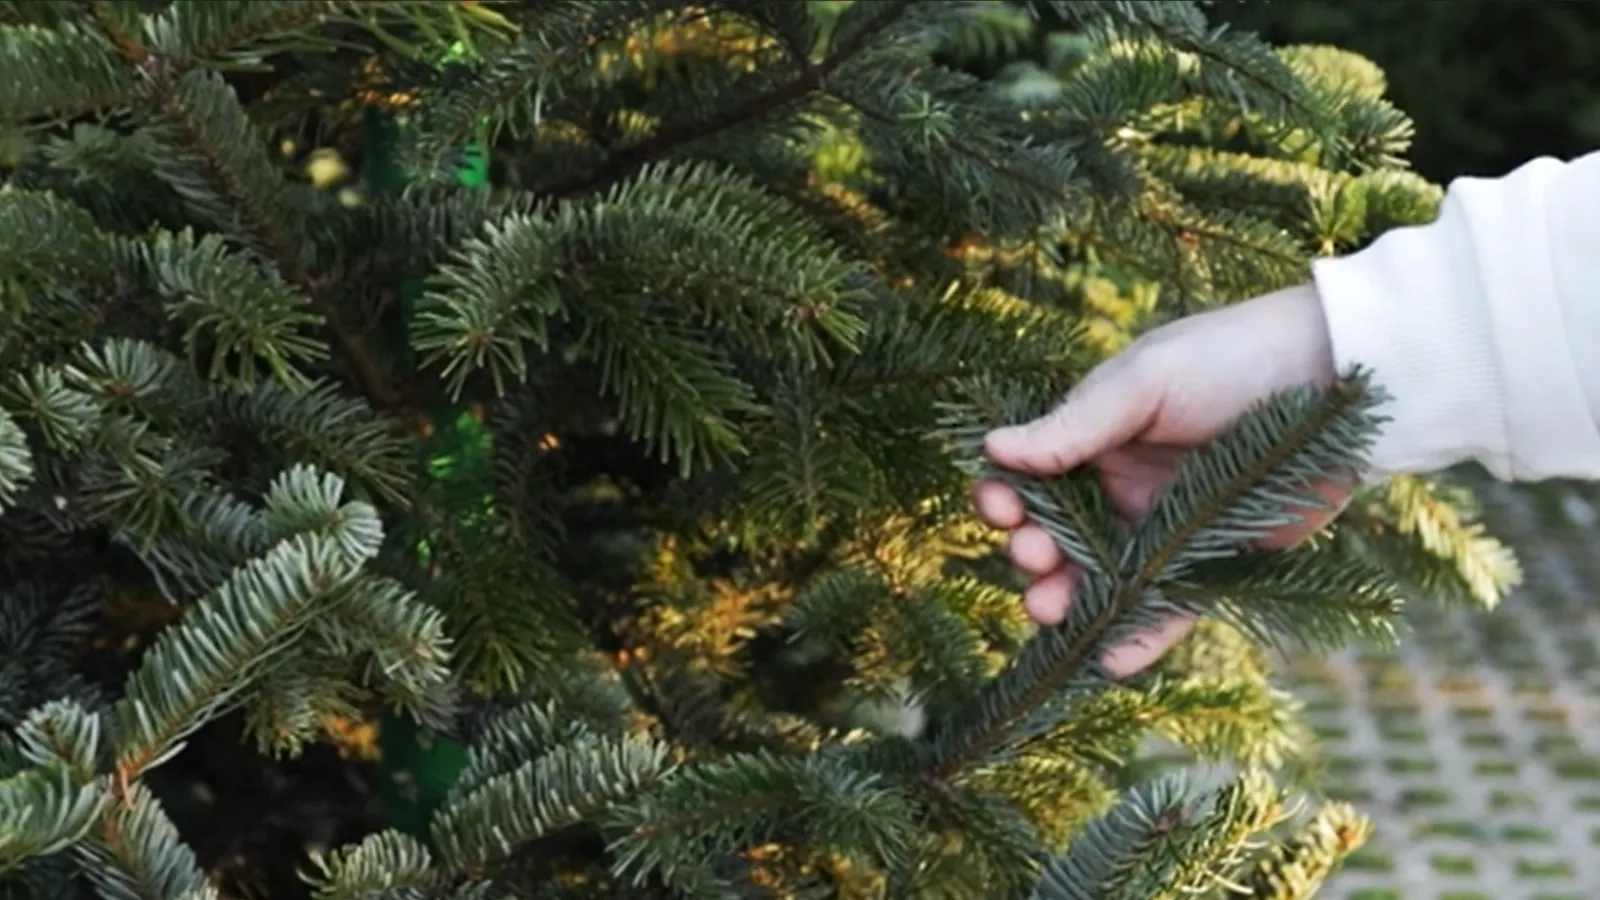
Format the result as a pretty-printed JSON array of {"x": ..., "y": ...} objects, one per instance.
[{"x": 1104, "y": 411}]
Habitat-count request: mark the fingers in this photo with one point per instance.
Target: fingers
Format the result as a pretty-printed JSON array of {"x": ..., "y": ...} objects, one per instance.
[
  {"x": 1333, "y": 494},
  {"x": 1100, "y": 414},
  {"x": 998, "y": 505},
  {"x": 1033, "y": 551},
  {"x": 1134, "y": 477},
  {"x": 1049, "y": 597},
  {"x": 1147, "y": 647}
]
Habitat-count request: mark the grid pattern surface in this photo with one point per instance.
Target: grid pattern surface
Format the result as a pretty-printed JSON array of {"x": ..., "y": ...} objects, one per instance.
[{"x": 1475, "y": 746}]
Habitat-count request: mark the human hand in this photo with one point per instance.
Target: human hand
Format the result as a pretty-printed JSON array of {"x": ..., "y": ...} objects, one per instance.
[{"x": 1136, "y": 415}]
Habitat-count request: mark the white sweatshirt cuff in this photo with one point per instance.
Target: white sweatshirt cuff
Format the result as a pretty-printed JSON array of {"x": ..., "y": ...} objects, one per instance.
[
  {"x": 1461, "y": 322},
  {"x": 1409, "y": 310}
]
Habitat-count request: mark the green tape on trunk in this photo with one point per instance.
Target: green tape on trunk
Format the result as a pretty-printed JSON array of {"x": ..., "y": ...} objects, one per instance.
[{"x": 417, "y": 767}]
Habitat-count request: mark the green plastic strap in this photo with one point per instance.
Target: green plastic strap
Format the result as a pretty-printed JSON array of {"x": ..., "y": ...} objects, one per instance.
[{"x": 417, "y": 768}]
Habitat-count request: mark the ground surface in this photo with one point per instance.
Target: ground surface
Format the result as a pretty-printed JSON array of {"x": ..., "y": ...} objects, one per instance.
[{"x": 1475, "y": 748}]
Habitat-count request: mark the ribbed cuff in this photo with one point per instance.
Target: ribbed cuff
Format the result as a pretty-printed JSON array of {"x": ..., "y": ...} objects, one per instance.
[{"x": 1410, "y": 309}]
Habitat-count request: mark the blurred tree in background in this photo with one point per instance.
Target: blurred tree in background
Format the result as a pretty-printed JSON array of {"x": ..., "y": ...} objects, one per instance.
[{"x": 583, "y": 397}]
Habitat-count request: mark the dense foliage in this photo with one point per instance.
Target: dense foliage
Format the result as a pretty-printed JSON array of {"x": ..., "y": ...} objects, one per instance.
[
  {"x": 641, "y": 472},
  {"x": 1490, "y": 84}
]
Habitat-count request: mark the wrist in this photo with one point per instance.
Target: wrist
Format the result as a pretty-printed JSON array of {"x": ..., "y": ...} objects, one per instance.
[{"x": 1309, "y": 321}]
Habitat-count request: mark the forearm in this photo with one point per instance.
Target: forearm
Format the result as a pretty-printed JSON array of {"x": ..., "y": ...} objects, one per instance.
[{"x": 1483, "y": 326}]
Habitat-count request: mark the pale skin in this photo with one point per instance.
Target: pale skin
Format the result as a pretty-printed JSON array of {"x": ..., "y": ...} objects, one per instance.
[{"x": 1135, "y": 416}]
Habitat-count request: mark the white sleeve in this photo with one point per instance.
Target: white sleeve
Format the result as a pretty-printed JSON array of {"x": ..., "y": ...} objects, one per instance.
[{"x": 1483, "y": 326}]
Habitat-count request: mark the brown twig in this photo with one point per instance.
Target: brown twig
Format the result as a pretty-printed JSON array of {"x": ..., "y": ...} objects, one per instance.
[{"x": 131, "y": 50}]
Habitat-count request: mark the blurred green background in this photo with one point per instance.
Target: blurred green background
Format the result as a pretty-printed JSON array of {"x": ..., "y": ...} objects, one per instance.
[{"x": 1490, "y": 83}]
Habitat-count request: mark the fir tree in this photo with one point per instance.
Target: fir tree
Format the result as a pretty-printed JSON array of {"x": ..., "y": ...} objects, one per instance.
[{"x": 701, "y": 597}]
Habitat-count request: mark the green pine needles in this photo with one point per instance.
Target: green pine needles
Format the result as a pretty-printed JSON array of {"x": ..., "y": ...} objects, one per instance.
[
  {"x": 635, "y": 482},
  {"x": 1185, "y": 557}
]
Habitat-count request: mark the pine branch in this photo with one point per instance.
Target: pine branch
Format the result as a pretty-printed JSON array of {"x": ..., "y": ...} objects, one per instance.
[
  {"x": 61, "y": 415},
  {"x": 16, "y": 461},
  {"x": 1182, "y": 25},
  {"x": 1072, "y": 509},
  {"x": 287, "y": 704},
  {"x": 136, "y": 853},
  {"x": 969, "y": 151},
  {"x": 976, "y": 843},
  {"x": 71, "y": 71},
  {"x": 323, "y": 426},
  {"x": 222, "y": 645},
  {"x": 63, "y": 733},
  {"x": 43, "y": 811},
  {"x": 1281, "y": 595},
  {"x": 190, "y": 34},
  {"x": 386, "y": 864},
  {"x": 1298, "y": 868},
  {"x": 711, "y": 809},
  {"x": 943, "y": 339},
  {"x": 1244, "y": 486},
  {"x": 760, "y": 283},
  {"x": 1235, "y": 490},
  {"x": 580, "y": 706},
  {"x": 510, "y": 614},
  {"x": 1161, "y": 842},
  {"x": 556, "y": 49},
  {"x": 404, "y": 638},
  {"x": 1211, "y": 715},
  {"x": 1428, "y": 535},
  {"x": 236, "y": 184},
  {"x": 42, "y": 234},
  {"x": 60, "y": 72},
  {"x": 553, "y": 791},
  {"x": 232, "y": 310}
]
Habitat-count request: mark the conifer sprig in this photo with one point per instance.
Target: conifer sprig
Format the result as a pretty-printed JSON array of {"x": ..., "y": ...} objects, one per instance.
[
  {"x": 1431, "y": 541},
  {"x": 778, "y": 290},
  {"x": 1233, "y": 65},
  {"x": 553, "y": 56},
  {"x": 1164, "y": 841},
  {"x": 194, "y": 33},
  {"x": 1226, "y": 495},
  {"x": 850, "y": 38},
  {"x": 1283, "y": 597},
  {"x": 1241, "y": 487},
  {"x": 16, "y": 462},
  {"x": 705, "y": 812},
  {"x": 569, "y": 785},
  {"x": 135, "y": 851},
  {"x": 1297, "y": 868},
  {"x": 42, "y": 811},
  {"x": 215, "y": 159},
  {"x": 224, "y": 645},
  {"x": 387, "y": 863},
  {"x": 61, "y": 71}
]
